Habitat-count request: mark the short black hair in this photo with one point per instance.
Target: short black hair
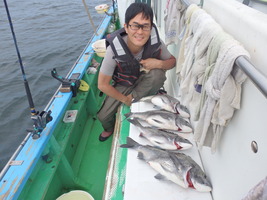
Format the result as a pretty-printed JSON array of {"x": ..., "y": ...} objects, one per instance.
[{"x": 136, "y": 8}]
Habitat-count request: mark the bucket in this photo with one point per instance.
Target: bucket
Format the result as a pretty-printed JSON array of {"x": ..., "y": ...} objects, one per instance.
[
  {"x": 99, "y": 47},
  {"x": 76, "y": 195},
  {"x": 101, "y": 8}
]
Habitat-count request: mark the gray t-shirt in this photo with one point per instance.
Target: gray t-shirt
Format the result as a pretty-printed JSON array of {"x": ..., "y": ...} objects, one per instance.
[{"x": 109, "y": 64}]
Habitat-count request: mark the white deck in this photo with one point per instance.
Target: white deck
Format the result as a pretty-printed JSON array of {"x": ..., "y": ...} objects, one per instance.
[{"x": 140, "y": 182}]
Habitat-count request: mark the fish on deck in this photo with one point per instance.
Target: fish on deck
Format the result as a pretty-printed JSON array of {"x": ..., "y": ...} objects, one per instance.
[
  {"x": 163, "y": 120},
  {"x": 195, "y": 176},
  {"x": 162, "y": 139},
  {"x": 168, "y": 103},
  {"x": 177, "y": 168}
]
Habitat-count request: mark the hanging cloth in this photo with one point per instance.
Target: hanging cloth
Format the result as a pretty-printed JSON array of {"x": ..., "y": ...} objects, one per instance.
[
  {"x": 212, "y": 54},
  {"x": 223, "y": 90},
  {"x": 174, "y": 23},
  {"x": 184, "y": 36},
  {"x": 204, "y": 28}
]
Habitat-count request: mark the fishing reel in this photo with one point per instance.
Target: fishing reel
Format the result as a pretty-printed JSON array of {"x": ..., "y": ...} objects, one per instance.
[{"x": 39, "y": 123}]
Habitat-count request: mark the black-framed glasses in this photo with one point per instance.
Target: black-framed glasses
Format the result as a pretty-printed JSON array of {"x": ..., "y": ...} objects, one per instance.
[{"x": 136, "y": 27}]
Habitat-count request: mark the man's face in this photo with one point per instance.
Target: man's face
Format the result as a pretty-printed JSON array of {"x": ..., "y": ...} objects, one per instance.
[{"x": 138, "y": 36}]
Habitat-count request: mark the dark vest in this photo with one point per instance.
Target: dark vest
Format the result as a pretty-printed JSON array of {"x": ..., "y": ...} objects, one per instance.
[{"x": 127, "y": 70}]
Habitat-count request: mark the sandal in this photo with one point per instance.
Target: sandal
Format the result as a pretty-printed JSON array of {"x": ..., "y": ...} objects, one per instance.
[{"x": 102, "y": 139}]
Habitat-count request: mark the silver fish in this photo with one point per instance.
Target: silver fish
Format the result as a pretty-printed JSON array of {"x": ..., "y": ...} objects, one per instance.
[
  {"x": 164, "y": 120},
  {"x": 167, "y": 102},
  {"x": 162, "y": 139},
  {"x": 195, "y": 177},
  {"x": 159, "y": 160},
  {"x": 175, "y": 167}
]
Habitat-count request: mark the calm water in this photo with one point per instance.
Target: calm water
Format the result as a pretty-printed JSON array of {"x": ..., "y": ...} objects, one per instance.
[{"x": 49, "y": 34}]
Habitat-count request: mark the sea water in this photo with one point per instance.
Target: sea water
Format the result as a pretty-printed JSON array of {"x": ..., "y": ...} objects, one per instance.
[{"x": 50, "y": 34}]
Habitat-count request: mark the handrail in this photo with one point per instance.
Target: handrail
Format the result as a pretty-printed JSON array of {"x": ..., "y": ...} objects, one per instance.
[
  {"x": 253, "y": 73},
  {"x": 246, "y": 2},
  {"x": 258, "y": 78}
]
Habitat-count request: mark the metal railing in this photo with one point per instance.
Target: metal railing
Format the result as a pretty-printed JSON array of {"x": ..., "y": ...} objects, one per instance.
[{"x": 258, "y": 78}]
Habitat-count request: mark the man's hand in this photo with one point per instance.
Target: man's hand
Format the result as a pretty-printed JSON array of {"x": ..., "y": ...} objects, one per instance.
[
  {"x": 128, "y": 100},
  {"x": 151, "y": 63}
]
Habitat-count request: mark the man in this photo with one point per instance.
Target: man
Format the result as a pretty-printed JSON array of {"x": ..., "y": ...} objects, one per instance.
[{"x": 136, "y": 60}]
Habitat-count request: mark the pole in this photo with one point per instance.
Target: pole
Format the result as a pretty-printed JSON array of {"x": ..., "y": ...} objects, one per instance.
[{"x": 27, "y": 88}]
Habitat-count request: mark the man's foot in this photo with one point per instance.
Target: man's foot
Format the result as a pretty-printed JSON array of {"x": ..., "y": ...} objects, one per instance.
[{"x": 105, "y": 135}]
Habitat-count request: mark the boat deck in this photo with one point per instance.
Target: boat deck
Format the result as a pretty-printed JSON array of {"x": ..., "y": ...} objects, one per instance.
[{"x": 78, "y": 159}]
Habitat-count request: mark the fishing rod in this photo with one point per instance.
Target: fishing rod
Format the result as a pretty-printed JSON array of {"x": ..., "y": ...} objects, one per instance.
[{"x": 39, "y": 119}]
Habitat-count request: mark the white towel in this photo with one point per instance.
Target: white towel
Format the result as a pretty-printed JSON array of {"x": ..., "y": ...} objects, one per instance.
[
  {"x": 174, "y": 22},
  {"x": 212, "y": 54},
  {"x": 204, "y": 29},
  {"x": 187, "y": 17},
  {"x": 223, "y": 90},
  {"x": 189, "y": 43}
]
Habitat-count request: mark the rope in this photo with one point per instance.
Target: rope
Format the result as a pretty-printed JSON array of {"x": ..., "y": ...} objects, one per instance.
[{"x": 90, "y": 18}]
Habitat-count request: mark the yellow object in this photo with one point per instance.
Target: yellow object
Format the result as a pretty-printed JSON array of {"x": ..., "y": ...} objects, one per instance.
[
  {"x": 76, "y": 195},
  {"x": 99, "y": 47},
  {"x": 102, "y": 8},
  {"x": 84, "y": 86}
]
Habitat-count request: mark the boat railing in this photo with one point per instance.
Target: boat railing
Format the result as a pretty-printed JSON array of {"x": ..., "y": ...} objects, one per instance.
[
  {"x": 14, "y": 169},
  {"x": 246, "y": 2},
  {"x": 257, "y": 77}
]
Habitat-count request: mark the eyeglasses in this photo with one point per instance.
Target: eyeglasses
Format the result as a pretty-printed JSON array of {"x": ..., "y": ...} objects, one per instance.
[{"x": 136, "y": 27}]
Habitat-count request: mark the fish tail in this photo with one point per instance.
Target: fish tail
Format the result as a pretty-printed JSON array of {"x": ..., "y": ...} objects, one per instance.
[
  {"x": 134, "y": 121},
  {"x": 130, "y": 144},
  {"x": 127, "y": 115}
]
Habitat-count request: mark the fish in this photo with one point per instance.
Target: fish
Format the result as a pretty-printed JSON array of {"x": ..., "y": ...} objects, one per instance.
[
  {"x": 195, "y": 176},
  {"x": 159, "y": 160},
  {"x": 175, "y": 167},
  {"x": 162, "y": 139},
  {"x": 167, "y": 102},
  {"x": 163, "y": 120}
]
